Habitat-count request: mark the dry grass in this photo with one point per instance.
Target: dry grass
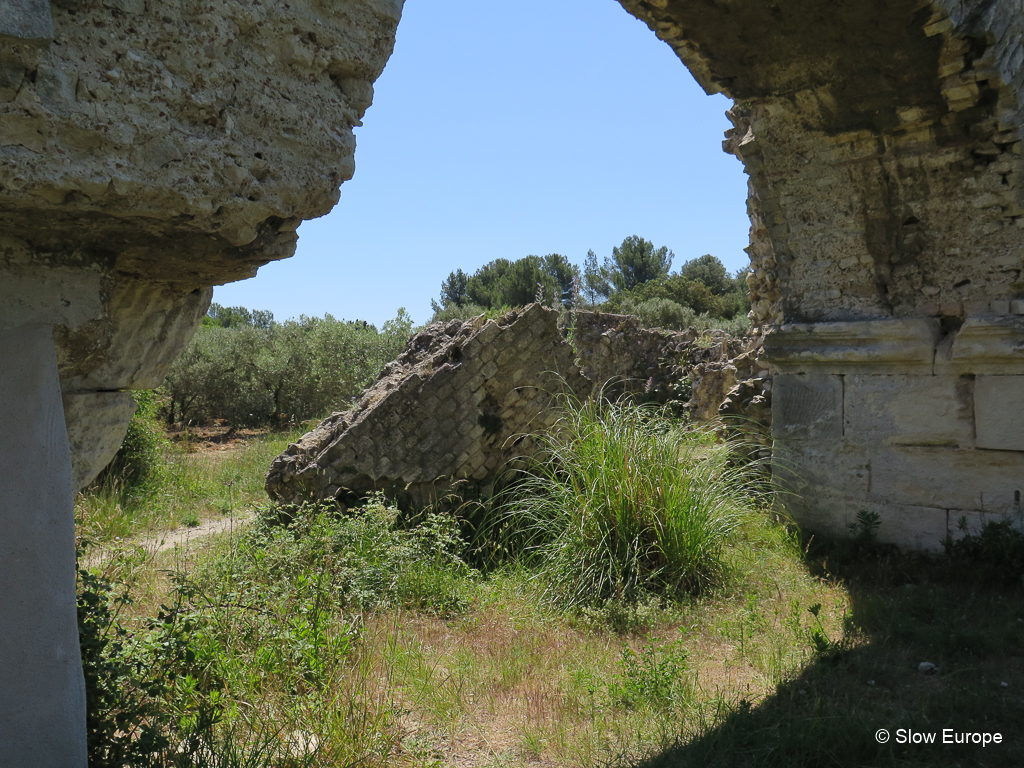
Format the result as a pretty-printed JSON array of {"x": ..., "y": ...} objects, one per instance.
[
  {"x": 510, "y": 684},
  {"x": 194, "y": 488},
  {"x": 786, "y": 663}
]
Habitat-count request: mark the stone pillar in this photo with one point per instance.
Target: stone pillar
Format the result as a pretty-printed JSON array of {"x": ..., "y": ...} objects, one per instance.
[{"x": 42, "y": 690}]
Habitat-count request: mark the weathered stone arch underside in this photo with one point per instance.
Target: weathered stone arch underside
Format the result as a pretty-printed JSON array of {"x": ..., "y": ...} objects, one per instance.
[
  {"x": 150, "y": 150},
  {"x": 882, "y": 142}
]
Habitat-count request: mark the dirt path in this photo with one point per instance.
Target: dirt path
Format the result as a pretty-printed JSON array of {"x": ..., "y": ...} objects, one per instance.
[
  {"x": 177, "y": 538},
  {"x": 182, "y": 536}
]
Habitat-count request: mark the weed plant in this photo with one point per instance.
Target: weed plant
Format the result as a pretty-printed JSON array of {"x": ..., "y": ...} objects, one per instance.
[
  {"x": 154, "y": 696},
  {"x": 369, "y": 556},
  {"x": 139, "y": 463},
  {"x": 260, "y": 638},
  {"x": 997, "y": 550},
  {"x": 625, "y": 501}
]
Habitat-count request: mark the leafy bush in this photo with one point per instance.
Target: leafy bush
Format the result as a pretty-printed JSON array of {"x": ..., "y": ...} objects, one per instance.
[
  {"x": 124, "y": 725},
  {"x": 276, "y": 615},
  {"x": 140, "y": 461},
  {"x": 659, "y": 313},
  {"x": 152, "y": 695},
  {"x": 655, "y": 677},
  {"x": 737, "y": 326},
  {"x": 369, "y": 557},
  {"x": 467, "y": 312},
  {"x": 253, "y": 375},
  {"x": 702, "y": 285},
  {"x": 624, "y": 501},
  {"x": 998, "y": 547}
]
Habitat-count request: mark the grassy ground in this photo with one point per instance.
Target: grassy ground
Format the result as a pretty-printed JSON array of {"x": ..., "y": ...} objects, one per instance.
[
  {"x": 193, "y": 487},
  {"x": 351, "y": 642}
]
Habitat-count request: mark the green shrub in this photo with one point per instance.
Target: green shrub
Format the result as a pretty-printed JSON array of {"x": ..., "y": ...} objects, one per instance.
[
  {"x": 140, "y": 461},
  {"x": 655, "y": 677},
  {"x": 468, "y": 312},
  {"x": 153, "y": 695},
  {"x": 369, "y": 557},
  {"x": 659, "y": 313},
  {"x": 998, "y": 548},
  {"x": 124, "y": 725},
  {"x": 457, "y": 312},
  {"x": 624, "y": 501},
  {"x": 254, "y": 375}
]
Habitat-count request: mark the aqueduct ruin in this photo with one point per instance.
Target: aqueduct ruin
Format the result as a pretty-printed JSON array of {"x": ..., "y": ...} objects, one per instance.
[{"x": 150, "y": 149}]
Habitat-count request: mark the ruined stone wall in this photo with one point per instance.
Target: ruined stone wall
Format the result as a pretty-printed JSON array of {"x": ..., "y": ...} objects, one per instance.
[
  {"x": 462, "y": 400},
  {"x": 468, "y": 398},
  {"x": 150, "y": 150},
  {"x": 882, "y": 141}
]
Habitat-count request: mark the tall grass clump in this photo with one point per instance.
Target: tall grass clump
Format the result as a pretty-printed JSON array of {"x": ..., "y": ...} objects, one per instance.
[{"x": 625, "y": 501}]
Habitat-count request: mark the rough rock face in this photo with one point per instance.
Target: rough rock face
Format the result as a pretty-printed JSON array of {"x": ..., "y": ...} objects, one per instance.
[
  {"x": 149, "y": 151},
  {"x": 883, "y": 145},
  {"x": 464, "y": 399},
  {"x": 456, "y": 405}
]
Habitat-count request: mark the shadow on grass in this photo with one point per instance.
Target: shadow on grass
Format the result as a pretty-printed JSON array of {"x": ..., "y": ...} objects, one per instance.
[{"x": 966, "y": 620}]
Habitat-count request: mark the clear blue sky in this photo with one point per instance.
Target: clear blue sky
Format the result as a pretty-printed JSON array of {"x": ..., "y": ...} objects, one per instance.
[{"x": 503, "y": 129}]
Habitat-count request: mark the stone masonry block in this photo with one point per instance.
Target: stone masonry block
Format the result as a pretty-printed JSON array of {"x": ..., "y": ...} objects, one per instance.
[
  {"x": 507, "y": 355},
  {"x": 807, "y": 468},
  {"x": 487, "y": 334},
  {"x": 26, "y": 21},
  {"x": 921, "y": 528},
  {"x": 908, "y": 410},
  {"x": 946, "y": 478},
  {"x": 999, "y": 412},
  {"x": 808, "y": 406}
]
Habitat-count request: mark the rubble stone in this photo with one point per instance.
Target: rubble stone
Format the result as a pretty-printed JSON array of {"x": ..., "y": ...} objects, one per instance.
[{"x": 466, "y": 399}]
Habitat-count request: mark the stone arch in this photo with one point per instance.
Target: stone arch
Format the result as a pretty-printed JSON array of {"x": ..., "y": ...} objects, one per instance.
[
  {"x": 151, "y": 150},
  {"x": 882, "y": 144}
]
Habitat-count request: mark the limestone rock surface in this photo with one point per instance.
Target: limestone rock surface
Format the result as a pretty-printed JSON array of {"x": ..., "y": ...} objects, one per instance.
[{"x": 152, "y": 150}]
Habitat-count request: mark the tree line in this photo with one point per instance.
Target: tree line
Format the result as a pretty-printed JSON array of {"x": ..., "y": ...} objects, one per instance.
[
  {"x": 635, "y": 279},
  {"x": 245, "y": 367}
]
